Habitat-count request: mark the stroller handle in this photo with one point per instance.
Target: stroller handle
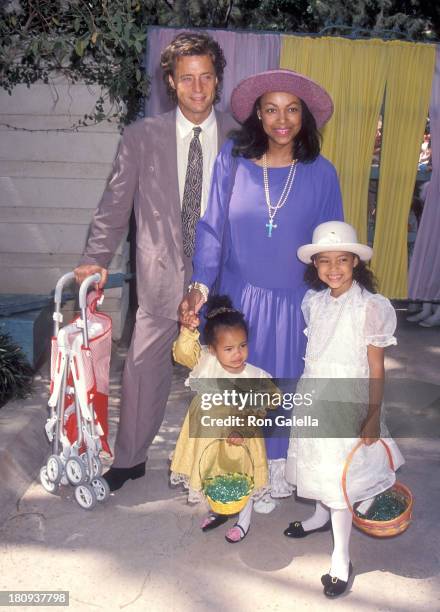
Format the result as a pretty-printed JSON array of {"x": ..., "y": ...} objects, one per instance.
[
  {"x": 82, "y": 298},
  {"x": 58, "y": 294},
  {"x": 66, "y": 278}
]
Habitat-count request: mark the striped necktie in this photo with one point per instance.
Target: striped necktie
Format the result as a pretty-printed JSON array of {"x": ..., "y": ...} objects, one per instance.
[{"x": 192, "y": 193}]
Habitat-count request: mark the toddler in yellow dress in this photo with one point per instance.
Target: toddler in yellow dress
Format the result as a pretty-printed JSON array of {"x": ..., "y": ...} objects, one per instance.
[{"x": 225, "y": 355}]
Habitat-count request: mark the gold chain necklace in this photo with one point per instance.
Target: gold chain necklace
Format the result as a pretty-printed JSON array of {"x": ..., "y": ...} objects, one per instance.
[{"x": 271, "y": 209}]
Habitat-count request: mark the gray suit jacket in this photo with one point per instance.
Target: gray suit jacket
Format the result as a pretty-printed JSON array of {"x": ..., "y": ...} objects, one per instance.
[{"x": 145, "y": 175}]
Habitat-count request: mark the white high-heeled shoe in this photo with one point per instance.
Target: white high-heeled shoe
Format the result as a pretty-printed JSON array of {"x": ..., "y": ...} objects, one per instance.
[
  {"x": 423, "y": 314},
  {"x": 266, "y": 504},
  {"x": 432, "y": 320},
  {"x": 413, "y": 307}
]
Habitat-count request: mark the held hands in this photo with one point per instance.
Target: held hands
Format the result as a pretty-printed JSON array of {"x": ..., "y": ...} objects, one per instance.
[
  {"x": 82, "y": 272},
  {"x": 189, "y": 307},
  {"x": 192, "y": 322}
]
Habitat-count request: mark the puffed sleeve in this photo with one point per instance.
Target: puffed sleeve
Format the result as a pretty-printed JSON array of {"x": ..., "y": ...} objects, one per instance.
[
  {"x": 186, "y": 349},
  {"x": 306, "y": 304},
  {"x": 380, "y": 322},
  {"x": 210, "y": 229}
]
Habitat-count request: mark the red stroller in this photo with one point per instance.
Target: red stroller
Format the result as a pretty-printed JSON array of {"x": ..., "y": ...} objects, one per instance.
[{"x": 77, "y": 426}]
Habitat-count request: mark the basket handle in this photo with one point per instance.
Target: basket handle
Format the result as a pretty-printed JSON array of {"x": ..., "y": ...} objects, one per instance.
[
  {"x": 224, "y": 440},
  {"x": 350, "y": 459}
]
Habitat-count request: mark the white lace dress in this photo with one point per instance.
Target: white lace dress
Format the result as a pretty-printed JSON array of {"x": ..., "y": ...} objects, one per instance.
[{"x": 336, "y": 373}]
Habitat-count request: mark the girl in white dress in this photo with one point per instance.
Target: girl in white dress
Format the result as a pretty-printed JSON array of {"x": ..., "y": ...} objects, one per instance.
[{"x": 348, "y": 328}]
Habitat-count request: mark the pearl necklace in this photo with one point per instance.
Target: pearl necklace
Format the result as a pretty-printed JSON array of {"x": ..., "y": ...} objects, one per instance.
[{"x": 271, "y": 209}]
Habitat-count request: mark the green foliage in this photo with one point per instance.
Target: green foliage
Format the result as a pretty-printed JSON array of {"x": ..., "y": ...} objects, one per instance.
[
  {"x": 103, "y": 42},
  {"x": 96, "y": 41},
  {"x": 15, "y": 372},
  {"x": 194, "y": 13},
  {"x": 417, "y": 19}
]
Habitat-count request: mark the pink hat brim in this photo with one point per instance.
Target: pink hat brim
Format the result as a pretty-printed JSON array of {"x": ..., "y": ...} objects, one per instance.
[{"x": 250, "y": 89}]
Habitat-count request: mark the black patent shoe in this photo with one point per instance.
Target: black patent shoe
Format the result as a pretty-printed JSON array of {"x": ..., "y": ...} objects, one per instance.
[
  {"x": 296, "y": 530},
  {"x": 333, "y": 587},
  {"x": 116, "y": 477}
]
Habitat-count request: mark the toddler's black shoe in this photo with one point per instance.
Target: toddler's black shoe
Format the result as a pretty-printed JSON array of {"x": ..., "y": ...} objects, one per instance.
[
  {"x": 296, "y": 530},
  {"x": 213, "y": 521},
  {"x": 116, "y": 477}
]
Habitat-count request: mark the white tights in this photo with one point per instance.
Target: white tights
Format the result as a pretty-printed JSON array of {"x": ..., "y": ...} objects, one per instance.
[
  {"x": 341, "y": 524},
  {"x": 244, "y": 518},
  {"x": 318, "y": 519}
]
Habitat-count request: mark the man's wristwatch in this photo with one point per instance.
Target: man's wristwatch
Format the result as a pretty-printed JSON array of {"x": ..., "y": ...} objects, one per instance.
[{"x": 200, "y": 287}]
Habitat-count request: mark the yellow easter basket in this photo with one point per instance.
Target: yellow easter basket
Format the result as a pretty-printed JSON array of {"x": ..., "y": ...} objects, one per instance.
[
  {"x": 378, "y": 528},
  {"x": 227, "y": 476}
]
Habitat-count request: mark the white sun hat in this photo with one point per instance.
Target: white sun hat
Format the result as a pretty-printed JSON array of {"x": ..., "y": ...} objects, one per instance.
[{"x": 334, "y": 236}]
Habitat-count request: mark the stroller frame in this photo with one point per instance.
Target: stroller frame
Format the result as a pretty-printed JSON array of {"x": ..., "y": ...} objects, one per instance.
[{"x": 74, "y": 461}]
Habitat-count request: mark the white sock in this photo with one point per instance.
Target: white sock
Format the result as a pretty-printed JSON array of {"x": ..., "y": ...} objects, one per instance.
[
  {"x": 341, "y": 523},
  {"x": 365, "y": 505},
  {"x": 244, "y": 518},
  {"x": 318, "y": 519}
]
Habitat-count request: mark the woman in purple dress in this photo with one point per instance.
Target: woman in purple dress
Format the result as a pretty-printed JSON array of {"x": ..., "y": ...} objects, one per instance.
[{"x": 270, "y": 189}]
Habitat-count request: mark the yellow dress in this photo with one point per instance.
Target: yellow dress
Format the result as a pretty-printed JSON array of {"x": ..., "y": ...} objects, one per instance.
[{"x": 194, "y": 438}]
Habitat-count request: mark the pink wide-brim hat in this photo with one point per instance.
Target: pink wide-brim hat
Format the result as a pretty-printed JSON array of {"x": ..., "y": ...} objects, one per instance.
[{"x": 250, "y": 89}]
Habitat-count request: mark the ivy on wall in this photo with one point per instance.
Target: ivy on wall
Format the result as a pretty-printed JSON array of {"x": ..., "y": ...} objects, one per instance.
[
  {"x": 98, "y": 42},
  {"x": 103, "y": 42}
]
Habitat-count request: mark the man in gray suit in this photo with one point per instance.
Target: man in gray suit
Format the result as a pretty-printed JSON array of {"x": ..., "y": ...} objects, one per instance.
[{"x": 163, "y": 168}]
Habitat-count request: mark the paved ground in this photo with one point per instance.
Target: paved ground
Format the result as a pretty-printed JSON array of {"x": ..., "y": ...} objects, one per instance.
[{"x": 143, "y": 549}]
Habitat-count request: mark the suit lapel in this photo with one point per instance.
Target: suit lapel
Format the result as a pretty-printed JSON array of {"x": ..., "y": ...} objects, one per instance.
[
  {"x": 170, "y": 144},
  {"x": 170, "y": 177}
]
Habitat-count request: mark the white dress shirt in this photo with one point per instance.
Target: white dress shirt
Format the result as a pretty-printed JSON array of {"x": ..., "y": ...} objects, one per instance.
[{"x": 208, "y": 140}]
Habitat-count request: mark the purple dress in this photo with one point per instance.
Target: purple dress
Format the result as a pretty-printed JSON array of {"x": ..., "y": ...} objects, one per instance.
[{"x": 262, "y": 274}]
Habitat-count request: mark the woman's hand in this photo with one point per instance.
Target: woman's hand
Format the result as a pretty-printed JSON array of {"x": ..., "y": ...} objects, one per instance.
[{"x": 189, "y": 307}]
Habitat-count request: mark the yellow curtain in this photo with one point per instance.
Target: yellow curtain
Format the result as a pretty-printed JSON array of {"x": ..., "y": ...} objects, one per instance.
[
  {"x": 353, "y": 72},
  {"x": 408, "y": 89}
]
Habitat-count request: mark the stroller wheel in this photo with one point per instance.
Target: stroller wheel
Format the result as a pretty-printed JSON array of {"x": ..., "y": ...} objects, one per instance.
[
  {"x": 97, "y": 466},
  {"x": 96, "y": 463},
  {"x": 85, "y": 496},
  {"x": 54, "y": 469},
  {"x": 75, "y": 471},
  {"x": 48, "y": 485},
  {"x": 101, "y": 488}
]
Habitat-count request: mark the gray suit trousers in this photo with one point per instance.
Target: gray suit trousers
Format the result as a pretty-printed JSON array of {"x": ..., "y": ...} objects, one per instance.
[{"x": 146, "y": 384}]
